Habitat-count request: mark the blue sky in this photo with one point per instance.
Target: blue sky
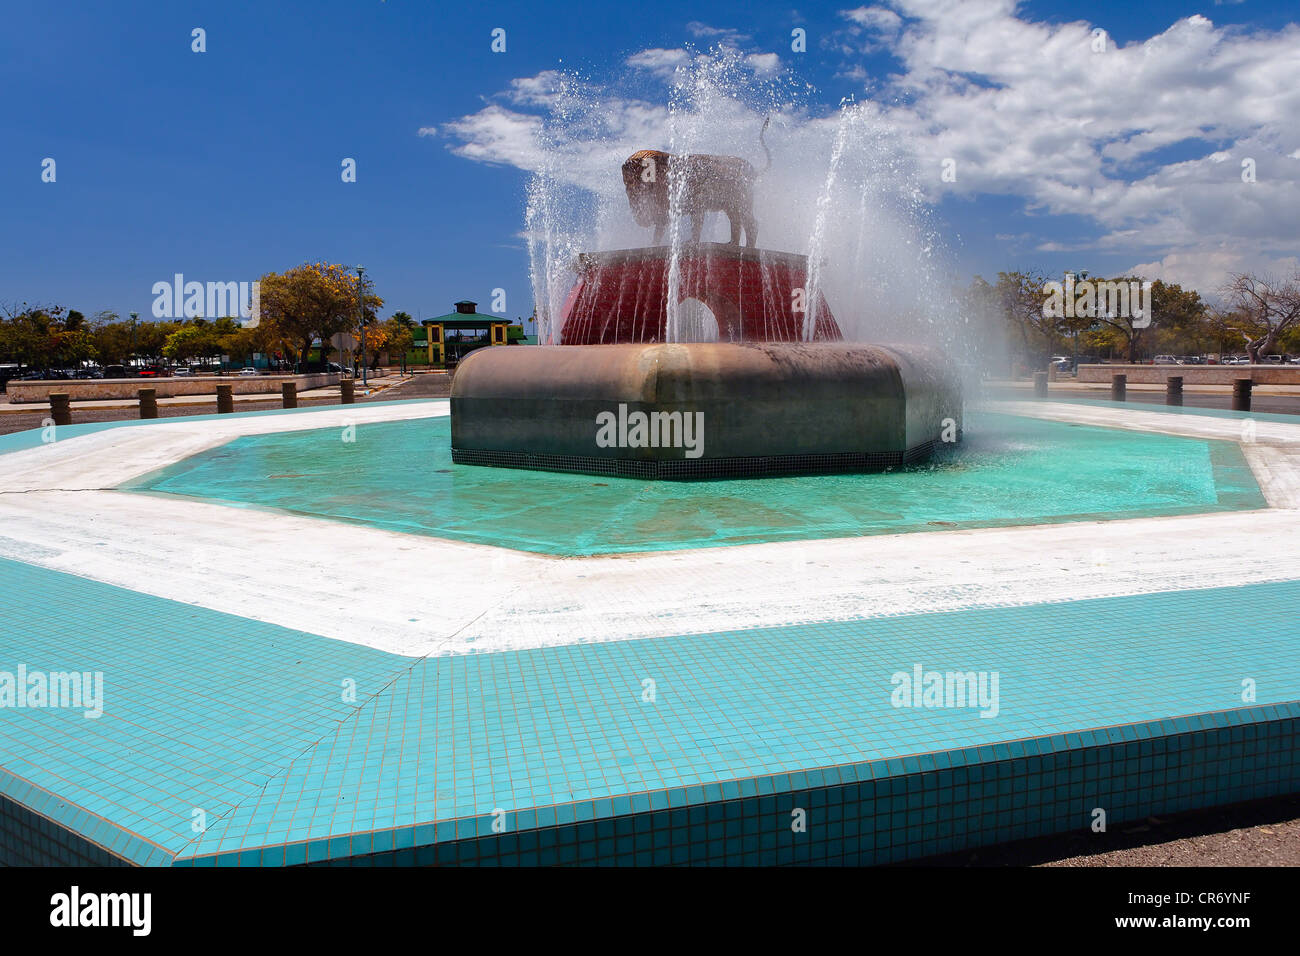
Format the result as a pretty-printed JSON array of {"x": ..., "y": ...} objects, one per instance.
[{"x": 226, "y": 164}]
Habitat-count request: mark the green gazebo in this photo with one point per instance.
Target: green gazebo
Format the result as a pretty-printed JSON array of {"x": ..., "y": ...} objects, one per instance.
[{"x": 449, "y": 338}]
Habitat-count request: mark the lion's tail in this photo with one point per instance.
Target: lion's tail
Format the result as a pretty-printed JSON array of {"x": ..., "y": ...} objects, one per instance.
[{"x": 763, "y": 142}]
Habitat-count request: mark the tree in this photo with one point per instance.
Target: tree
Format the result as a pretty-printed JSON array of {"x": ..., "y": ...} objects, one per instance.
[
  {"x": 29, "y": 337},
  {"x": 150, "y": 337},
  {"x": 1269, "y": 307},
  {"x": 397, "y": 334},
  {"x": 1019, "y": 297},
  {"x": 309, "y": 302},
  {"x": 195, "y": 339},
  {"x": 112, "y": 337},
  {"x": 1110, "y": 327},
  {"x": 243, "y": 342},
  {"x": 1179, "y": 318},
  {"x": 77, "y": 346},
  {"x": 1290, "y": 340},
  {"x": 46, "y": 336}
]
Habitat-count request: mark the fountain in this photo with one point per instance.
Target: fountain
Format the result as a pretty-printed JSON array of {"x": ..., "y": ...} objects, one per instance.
[{"x": 697, "y": 359}]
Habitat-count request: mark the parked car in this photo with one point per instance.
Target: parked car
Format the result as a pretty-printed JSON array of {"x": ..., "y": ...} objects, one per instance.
[
  {"x": 1273, "y": 360},
  {"x": 182, "y": 370},
  {"x": 1165, "y": 360},
  {"x": 247, "y": 371}
]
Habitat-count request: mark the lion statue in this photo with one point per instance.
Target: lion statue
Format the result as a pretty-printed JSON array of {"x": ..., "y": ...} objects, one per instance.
[{"x": 706, "y": 183}]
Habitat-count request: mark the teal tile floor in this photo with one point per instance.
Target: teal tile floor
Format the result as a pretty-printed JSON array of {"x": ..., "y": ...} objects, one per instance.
[
  {"x": 184, "y": 726},
  {"x": 1009, "y": 470},
  {"x": 248, "y": 722}
]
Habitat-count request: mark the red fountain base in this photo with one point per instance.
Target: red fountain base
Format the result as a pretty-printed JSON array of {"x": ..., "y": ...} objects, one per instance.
[{"x": 756, "y": 295}]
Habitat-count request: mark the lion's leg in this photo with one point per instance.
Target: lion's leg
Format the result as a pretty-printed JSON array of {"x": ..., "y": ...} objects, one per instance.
[
  {"x": 697, "y": 226},
  {"x": 751, "y": 231},
  {"x": 734, "y": 219},
  {"x": 659, "y": 233}
]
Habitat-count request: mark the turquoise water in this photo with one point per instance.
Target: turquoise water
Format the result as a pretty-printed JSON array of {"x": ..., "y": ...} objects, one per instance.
[{"x": 1009, "y": 470}]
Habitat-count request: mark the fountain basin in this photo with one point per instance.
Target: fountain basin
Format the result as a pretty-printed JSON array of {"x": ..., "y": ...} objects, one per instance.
[
  {"x": 753, "y": 295},
  {"x": 703, "y": 410}
]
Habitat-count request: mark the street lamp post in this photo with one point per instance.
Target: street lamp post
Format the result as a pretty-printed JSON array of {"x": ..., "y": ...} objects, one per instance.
[
  {"x": 134, "y": 316},
  {"x": 1074, "y": 329},
  {"x": 361, "y": 307}
]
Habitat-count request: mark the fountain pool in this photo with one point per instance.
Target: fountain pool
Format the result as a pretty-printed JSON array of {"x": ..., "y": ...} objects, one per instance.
[{"x": 1013, "y": 471}]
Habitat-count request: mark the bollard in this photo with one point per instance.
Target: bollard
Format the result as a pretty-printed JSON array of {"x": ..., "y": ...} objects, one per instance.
[
  {"x": 348, "y": 391},
  {"x": 289, "y": 394},
  {"x": 225, "y": 399},
  {"x": 148, "y": 402},
  {"x": 1118, "y": 387},
  {"x": 1174, "y": 390},
  {"x": 1240, "y": 395},
  {"x": 1040, "y": 384},
  {"x": 61, "y": 408}
]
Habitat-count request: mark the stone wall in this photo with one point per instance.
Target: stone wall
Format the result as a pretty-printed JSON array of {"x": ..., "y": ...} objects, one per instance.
[
  {"x": 100, "y": 389},
  {"x": 1193, "y": 374}
]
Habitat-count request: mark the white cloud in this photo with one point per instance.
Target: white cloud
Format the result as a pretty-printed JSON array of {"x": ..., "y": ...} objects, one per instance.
[
  {"x": 1029, "y": 110},
  {"x": 659, "y": 61},
  {"x": 496, "y": 135},
  {"x": 724, "y": 35},
  {"x": 878, "y": 19},
  {"x": 870, "y": 29},
  {"x": 764, "y": 63},
  {"x": 539, "y": 90},
  {"x": 1207, "y": 270}
]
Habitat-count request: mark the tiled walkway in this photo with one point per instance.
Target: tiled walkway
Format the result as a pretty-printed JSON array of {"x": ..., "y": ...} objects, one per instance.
[{"x": 255, "y": 732}]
